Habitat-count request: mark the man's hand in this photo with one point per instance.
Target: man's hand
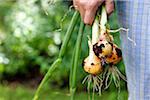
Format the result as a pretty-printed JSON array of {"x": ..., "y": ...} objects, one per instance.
[{"x": 88, "y": 8}]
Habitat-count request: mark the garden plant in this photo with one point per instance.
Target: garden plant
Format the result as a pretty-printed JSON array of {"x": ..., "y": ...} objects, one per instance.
[{"x": 101, "y": 63}]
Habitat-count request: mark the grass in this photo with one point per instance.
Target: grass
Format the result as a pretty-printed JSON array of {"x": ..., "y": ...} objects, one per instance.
[{"x": 21, "y": 92}]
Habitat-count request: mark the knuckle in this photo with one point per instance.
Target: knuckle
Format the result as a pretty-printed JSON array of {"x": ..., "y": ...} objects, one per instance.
[{"x": 82, "y": 2}]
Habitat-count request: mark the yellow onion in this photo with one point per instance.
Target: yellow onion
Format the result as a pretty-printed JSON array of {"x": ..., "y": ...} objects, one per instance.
[
  {"x": 102, "y": 48},
  {"x": 115, "y": 56},
  {"x": 92, "y": 64}
]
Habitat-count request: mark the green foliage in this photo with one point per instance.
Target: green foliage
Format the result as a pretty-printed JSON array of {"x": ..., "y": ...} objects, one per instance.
[{"x": 28, "y": 38}]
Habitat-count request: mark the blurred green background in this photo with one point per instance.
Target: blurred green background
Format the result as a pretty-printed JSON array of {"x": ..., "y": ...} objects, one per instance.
[{"x": 31, "y": 33}]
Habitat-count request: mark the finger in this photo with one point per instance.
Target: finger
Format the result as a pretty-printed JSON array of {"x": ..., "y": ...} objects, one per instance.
[
  {"x": 78, "y": 5},
  {"x": 109, "y": 6},
  {"x": 89, "y": 16},
  {"x": 90, "y": 11},
  {"x": 82, "y": 12}
]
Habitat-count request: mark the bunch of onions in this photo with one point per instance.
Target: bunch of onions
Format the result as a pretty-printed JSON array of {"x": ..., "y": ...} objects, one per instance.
[{"x": 104, "y": 54}]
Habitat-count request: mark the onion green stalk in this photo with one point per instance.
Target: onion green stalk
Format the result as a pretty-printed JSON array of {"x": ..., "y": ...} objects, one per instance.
[
  {"x": 75, "y": 59},
  {"x": 46, "y": 77},
  {"x": 69, "y": 33},
  {"x": 61, "y": 54}
]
